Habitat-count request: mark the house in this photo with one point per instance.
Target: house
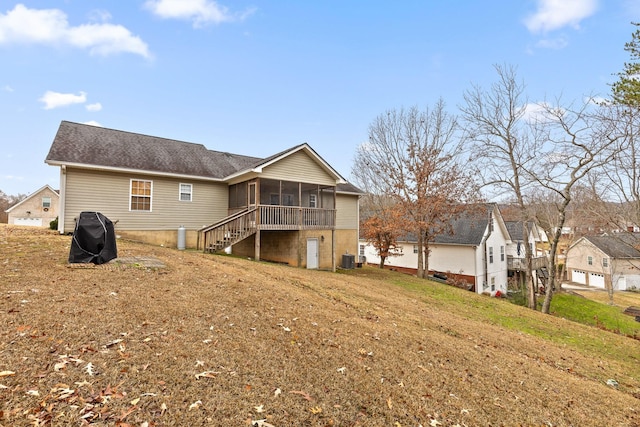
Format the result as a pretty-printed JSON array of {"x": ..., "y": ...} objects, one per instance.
[
  {"x": 535, "y": 237},
  {"x": 474, "y": 252},
  {"x": 36, "y": 210},
  {"x": 605, "y": 261},
  {"x": 292, "y": 207}
]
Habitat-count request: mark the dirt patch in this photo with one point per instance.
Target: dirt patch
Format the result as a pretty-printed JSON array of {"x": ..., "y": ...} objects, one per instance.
[{"x": 212, "y": 340}]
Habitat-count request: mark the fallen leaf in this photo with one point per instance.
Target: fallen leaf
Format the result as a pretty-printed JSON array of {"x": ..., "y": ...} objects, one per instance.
[
  {"x": 6, "y": 373},
  {"x": 33, "y": 393},
  {"x": 259, "y": 409},
  {"x": 389, "y": 403},
  {"x": 261, "y": 423},
  {"x": 89, "y": 369},
  {"x": 195, "y": 405},
  {"x": 277, "y": 392},
  {"x": 316, "y": 410},
  {"x": 303, "y": 394},
  {"x": 207, "y": 374},
  {"x": 163, "y": 408},
  {"x": 342, "y": 370},
  {"x": 112, "y": 343},
  {"x": 135, "y": 401},
  {"x": 435, "y": 423}
]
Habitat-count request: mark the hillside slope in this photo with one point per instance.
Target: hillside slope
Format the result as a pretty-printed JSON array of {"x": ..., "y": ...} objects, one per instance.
[{"x": 212, "y": 340}]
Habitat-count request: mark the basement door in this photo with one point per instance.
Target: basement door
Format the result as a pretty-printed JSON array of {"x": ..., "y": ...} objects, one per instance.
[{"x": 312, "y": 253}]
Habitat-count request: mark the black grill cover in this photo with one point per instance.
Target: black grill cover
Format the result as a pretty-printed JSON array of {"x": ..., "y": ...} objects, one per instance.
[{"x": 94, "y": 239}]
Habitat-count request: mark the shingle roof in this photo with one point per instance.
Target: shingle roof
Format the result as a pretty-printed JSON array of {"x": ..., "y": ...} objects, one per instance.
[
  {"x": 516, "y": 229},
  {"x": 469, "y": 227},
  {"x": 92, "y": 145},
  {"x": 622, "y": 245}
]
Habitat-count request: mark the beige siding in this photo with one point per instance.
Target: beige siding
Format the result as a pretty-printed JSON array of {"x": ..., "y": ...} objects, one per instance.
[
  {"x": 298, "y": 167},
  {"x": 346, "y": 212},
  {"x": 108, "y": 193}
]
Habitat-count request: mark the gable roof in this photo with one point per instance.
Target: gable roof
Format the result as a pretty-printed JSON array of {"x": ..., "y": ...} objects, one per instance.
[
  {"x": 263, "y": 163},
  {"x": 102, "y": 148},
  {"x": 468, "y": 228},
  {"x": 622, "y": 245},
  {"x": 35, "y": 193}
]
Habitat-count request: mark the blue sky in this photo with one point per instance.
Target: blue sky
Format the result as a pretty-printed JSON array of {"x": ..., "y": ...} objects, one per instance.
[{"x": 255, "y": 77}]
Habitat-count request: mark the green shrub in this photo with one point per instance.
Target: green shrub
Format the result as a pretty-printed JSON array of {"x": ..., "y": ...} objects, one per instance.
[{"x": 53, "y": 225}]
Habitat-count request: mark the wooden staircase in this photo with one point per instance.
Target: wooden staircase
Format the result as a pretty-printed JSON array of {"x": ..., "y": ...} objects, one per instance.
[{"x": 228, "y": 231}]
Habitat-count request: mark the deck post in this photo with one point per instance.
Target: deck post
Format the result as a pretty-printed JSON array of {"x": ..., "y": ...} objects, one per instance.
[{"x": 257, "y": 246}]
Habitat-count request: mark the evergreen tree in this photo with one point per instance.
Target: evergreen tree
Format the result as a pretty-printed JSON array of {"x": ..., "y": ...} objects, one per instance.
[{"x": 626, "y": 90}]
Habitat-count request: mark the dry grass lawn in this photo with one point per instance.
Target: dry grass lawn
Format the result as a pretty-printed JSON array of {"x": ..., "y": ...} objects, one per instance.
[{"x": 218, "y": 341}]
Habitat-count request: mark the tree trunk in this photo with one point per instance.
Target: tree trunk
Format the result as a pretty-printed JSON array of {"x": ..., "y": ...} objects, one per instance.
[
  {"x": 420, "y": 272},
  {"x": 532, "y": 303},
  {"x": 382, "y": 259}
]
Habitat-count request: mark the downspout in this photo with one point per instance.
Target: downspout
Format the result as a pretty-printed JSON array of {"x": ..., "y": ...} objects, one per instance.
[{"x": 62, "y": 198}]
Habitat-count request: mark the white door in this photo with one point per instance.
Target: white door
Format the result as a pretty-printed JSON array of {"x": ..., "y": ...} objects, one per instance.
[
  {"x": 33, "y": 222},
  {"x": 312, "y": 253},
  {"x": 579, "y": 277},
  {"x": 596, "y": 280}
]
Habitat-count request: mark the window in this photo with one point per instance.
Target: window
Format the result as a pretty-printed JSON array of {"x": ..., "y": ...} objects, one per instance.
[
  {"x": 140, "y": 199},
  {"x": 590, "y": 260},
  {"x": 274, "y": 199},
  {"x": 490, "y": 255},
  {"x": 605, "y": 262},
  {"x": 287, "y": 200},
  {"x": 493, "y": 284},
  {"x": 186, "y": 192},
  {"x": 313, "y": 201},
  {"x": 502, "y": 253},
  {"x": 415, "y": 249},
  {"x": 46, "y": 202},
  {"x": 361, "y": 250}
]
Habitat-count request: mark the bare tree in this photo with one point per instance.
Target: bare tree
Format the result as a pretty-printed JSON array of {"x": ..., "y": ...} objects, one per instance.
[
  {"x": 504, "y": 147},
  {"x": 414, "y": 157},
  {"x": 576, "y": 142}
]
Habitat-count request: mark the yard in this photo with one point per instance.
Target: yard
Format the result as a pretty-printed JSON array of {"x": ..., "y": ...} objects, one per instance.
[{"x": 162, "y": 337}]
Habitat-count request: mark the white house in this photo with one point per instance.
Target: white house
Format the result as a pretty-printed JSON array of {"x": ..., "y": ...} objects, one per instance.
[{"x": 475, "y": 251}]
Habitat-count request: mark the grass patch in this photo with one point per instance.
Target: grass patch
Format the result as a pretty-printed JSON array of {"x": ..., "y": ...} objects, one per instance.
[{"x": 585, "y": 311}]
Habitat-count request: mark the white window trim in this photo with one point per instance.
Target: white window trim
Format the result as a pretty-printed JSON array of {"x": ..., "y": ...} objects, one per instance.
[
  {"x": 150, "y": 195},
  {"x": 49, "y": 200},
  {"x": 180, "y": 192},
  {"x": 313, "y": 200}
]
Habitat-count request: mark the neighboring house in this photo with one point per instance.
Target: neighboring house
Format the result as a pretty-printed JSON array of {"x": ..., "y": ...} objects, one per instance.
[
  {"x": 292, "y": 207},
  {"x": 475, "y": 251},
  {"x": 516, "y": 251},
  {"x": 603, "y": 261},
  {"x": 36, "y": 210}
]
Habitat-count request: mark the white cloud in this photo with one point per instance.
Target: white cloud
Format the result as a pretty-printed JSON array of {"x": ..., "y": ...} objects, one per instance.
[
  {"x": 50, "y": 27},
  {"x": 201, "y": 12},
  {"x": 93, "y": 123},
  {"x": 539, "y": 113},
  {"x": 556, "y": 43},
  {"x": 554, "y": 14},
  {"x": 7, "y": 88},
  {"x": 94, "y": 107},
  {"x": 55, "y": 99}
]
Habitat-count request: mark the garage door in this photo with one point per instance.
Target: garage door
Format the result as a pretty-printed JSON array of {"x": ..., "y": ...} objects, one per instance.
[
  {"x": 34, "y": 222},
  {"x": 596, "y": 280},
  {"x": 579, "y": 277}
]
